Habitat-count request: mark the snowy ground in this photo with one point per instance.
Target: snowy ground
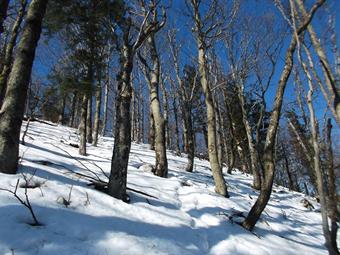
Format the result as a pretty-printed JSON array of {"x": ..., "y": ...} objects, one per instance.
[{"x": 187, "y": 218}]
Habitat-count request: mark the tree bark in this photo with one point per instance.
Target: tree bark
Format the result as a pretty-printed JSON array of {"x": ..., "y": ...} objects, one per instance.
[
  {"x": 89, "y": 118},
  {"x": 151, "y": 136},
  {"x": 122, "y": 143},
  {"x": 97, "y": 114},
  {"x": 6, "y": 68},
  {"x": 177, "y": 148},
  {"x": 106, "y": 98},
  {"x": 252, "y": 149},
  {"x": 82, "y": 124},
  {"x": 13, "y": 107},
  {"x": 73, "y": 108},
  {"x": 153, "y": 79},
  {"x": 332, "y": 204}
]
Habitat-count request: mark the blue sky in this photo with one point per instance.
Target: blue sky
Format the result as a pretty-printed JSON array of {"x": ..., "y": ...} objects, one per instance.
[{"x": 48, "y": 55}]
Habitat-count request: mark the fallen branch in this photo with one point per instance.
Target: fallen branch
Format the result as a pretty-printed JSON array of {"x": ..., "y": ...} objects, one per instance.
[{"x": 25, "y": 203}]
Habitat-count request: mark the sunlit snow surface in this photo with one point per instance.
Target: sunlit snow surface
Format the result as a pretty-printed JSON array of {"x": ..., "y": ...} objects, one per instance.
[{"x": 187, "y": 218}]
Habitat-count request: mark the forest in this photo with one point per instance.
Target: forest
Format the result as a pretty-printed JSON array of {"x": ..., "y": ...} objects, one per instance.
[{"x": 132, "y": 103}]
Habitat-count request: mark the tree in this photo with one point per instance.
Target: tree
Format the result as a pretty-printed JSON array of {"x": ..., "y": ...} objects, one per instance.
[
  {"x": 206, "y": 29},
  {"x": 269, "y": 147},
  {"x": 13, "y": 108},
  {"x": 131, "y": 40},
  {"x": 153, "y": 75}
]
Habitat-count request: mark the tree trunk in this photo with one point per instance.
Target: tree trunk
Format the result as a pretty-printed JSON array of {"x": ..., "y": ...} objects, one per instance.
[
  {"x": 220, "y": 186},
  {"x": 3, "y": 13},
  {"x": 13, "y": 107},
  {"x": 122, "y": 142},
  {"x": 161, "y": 168},
  {"x": 89, "y": 119},
  {"x": 73, "y": 108},
  {"x": 177, "y": 148},
  {"x": 82, "y": 124},
  {"x": 6, "y": 68},
  {"x": 268, "y": 155},
  {"x": 106, "y": 99},
  {"x": 151, "y": 137},
  {"x": 253, "y": 152},
  {"x": 332, "y": 204},
  {"x": 97, "y": 114},
  {"x": 62, "y": 111},
  {"x": 166, "y": 114}
]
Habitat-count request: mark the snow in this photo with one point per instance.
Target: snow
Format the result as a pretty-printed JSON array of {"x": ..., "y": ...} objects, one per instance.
[{"x": 186, "y": 218}]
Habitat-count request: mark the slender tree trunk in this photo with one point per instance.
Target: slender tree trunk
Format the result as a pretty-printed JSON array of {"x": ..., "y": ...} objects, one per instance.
[
  {"x": 13, "y": 107},
  {"x": 332, "y": 204},
  {"x": 151, "y": 129},
  {"x": 220, "y": 185},
  {"x": 6, "y": 68},
  {"x": 3, "y": 13},
  {"x": 73, "y": 108},
  {"x": 166, "y": 113},
  {"x": 122, "y": 143},
  {"x": 189, "y": 136},
  {"x": 97, "y": 114},
  {"x": 252, "y": 149},
  {"x": 161, "y": 168},
  {"x": 268, "y": 156},
  {"x": 82, "y": 124},
  {"x": 177, "y": 148},
  {"x": 62, "y": 111},
  {"x": 133, "y": 116},
  {"x": 89, "y": 119},
  {"x": 106, "y": 98}
]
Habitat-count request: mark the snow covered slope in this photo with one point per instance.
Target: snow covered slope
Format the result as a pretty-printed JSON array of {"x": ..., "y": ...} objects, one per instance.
[{"x": 187, "y": 217}]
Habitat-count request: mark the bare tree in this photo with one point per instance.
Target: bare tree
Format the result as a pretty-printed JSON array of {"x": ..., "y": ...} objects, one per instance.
[
  {"x": 207, "y": 28},
  {"x": 13, "y": 107},
  {"x": 131, "y": 42},
  {"x": 152, "y": 75},
  {"x": 269, "y": 147}
]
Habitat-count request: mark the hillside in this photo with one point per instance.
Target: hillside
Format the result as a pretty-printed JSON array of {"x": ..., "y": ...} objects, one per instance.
[{"x": 183, "y": 215}]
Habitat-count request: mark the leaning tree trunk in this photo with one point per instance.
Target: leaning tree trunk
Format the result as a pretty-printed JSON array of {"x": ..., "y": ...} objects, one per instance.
[
  {"x": 13, "y": 107},
  {"x": 3, "y": 13},
  {"x": 89, "y": 119},
  {"x": 252, "y": 149},
  {"x": 7, "y": 64},
  {"x": 268, "y": 156},
  {"x": 269, "y": 147},
  {"x": 82, "y": 125},
  {"x": 122, "y": 142},
  {"x": 97, "y": 114},
  {"x": 220, "y": 186}
]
